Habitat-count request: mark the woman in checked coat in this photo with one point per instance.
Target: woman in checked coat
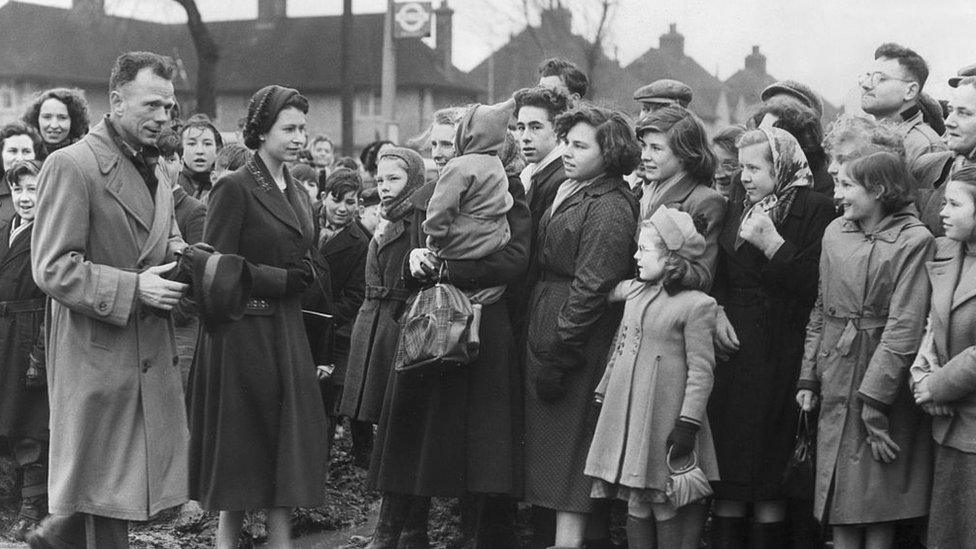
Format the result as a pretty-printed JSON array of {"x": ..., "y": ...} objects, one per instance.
[{"x": 584, "y": 248}]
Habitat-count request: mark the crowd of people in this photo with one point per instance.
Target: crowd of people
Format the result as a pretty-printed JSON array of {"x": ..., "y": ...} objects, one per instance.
[{"x": 767, "y": 326}]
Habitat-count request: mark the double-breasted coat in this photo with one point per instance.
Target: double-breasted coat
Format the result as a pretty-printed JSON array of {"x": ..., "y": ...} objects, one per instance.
[
  {"x": 660, "y": 368},
  {"x": 583, "y": 250},
  {"x": 118, "y": 422},
  {"x": 375, "y": 331},
  {"x": 23, "y": 411},
  {"x": 862, "y": 336},
  {"x": 459, "y": 431},
  {"x": 753, "y": 407},
  {"x": 257, "y": 424}
]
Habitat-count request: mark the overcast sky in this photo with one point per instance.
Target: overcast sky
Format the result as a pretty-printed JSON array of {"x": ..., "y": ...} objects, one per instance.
[{"x": 824, "y": 43}]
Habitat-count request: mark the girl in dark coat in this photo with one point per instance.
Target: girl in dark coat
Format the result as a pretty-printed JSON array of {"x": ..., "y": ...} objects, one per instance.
[
  {"x": 257, "y": 424},
  {"x": 583, "y": 250},
  {"x": 767, "y": 283},
  {"x": 23, "y": 398}
]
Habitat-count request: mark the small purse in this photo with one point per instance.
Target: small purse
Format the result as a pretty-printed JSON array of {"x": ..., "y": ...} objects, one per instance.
[
  {"x": 688, "y": 484},
  {"x": 798, "y": 481}
]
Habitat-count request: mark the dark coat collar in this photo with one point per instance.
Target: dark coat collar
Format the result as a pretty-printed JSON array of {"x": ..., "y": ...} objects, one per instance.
[{"x": 351, "y": 235}]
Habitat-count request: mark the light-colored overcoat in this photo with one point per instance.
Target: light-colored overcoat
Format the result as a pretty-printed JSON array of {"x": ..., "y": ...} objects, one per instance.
[
  {"x": 863, "y": 334},
  {"x": 660, "y": 368},
  {"x": 118, "y": 420}
]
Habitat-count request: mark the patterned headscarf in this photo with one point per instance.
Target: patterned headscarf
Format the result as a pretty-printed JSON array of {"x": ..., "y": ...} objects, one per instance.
[
  {"x": 791, "y": 171},
  {"x": 399, "y": 206}
]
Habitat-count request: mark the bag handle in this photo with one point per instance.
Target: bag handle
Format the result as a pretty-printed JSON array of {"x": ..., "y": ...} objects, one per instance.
[{"x": 693, "y": 462}]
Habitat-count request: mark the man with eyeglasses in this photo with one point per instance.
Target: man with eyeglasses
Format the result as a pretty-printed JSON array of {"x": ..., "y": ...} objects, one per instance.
[{"x": 890, "y": 92}]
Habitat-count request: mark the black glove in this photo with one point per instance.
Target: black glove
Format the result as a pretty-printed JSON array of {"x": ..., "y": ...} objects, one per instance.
[
  {"x": 299, "y": 278},
  {"x": 550, "y": 384},
  {"x": 682, "y": 438},
  {"x": 36, "y": 375}
]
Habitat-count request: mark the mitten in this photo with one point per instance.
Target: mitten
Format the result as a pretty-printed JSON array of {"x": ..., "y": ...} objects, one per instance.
[
  {"x": 299, "y": 278},
  {"x": 682, "y": 438}
]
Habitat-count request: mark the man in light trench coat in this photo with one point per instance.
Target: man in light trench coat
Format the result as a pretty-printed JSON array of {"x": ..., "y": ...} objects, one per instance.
[{"x": 105, "y": 234}]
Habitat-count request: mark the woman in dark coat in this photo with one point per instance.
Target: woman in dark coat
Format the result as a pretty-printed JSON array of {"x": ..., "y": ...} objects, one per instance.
[
  {"x": 257, "y": 424},
  {"x": 584, "y": 248},
  {"x": 456, "y": 432},
  {"x": 23, "y": 398},
  {"x": 767, "y": 283}
]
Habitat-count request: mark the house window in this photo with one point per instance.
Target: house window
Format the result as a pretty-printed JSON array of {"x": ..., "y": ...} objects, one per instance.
[{"x": 368, "y": 105}]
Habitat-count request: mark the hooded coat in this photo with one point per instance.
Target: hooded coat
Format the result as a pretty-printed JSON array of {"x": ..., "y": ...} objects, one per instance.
[
  {"x": 863, "y": 334},
  {"x": 466, "y": 212},
  {"x": 118, "y": 420}
]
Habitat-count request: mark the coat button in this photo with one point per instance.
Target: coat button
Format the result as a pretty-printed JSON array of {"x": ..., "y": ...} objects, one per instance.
[
  {"x": 145, "y": 365},
  {"x": 832, "y": 311},
  {"x": 176, "y": 360},
  {"x": 103, "y": 306}
]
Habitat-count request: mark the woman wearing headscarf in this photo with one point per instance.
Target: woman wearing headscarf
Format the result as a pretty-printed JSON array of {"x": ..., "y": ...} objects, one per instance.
[
  {"x": 766, "y": 281},
  {"x": 256, "y": 423},
  {"x": 60, "y": 116},
  {"x": 457, "y": 432}
]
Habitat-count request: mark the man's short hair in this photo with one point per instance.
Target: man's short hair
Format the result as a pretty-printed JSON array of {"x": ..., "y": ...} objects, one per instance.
[
  {"x": 570, "y": 74},
  {"x": 128, "y": 65},
  {"x": 554, "y": 102},
  {"x": 319, "y": 138},
  {"x": 912, "y": 62}
]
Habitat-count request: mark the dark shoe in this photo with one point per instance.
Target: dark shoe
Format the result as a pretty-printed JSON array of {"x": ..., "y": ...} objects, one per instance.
[
  {"x": 771, "y": 535},
  {"x": 728, "y": 533},
  {"x": 414, "y": 534},
  {"x": 389, "y": 525},
  {"x": 58, "y": 532}
]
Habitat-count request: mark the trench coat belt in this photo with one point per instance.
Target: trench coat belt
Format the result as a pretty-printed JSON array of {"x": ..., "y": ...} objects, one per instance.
[
  {"x": 384, "y": 292},
  {"x": 853, "y": 326},
  {"x": 23, "y": 306}
]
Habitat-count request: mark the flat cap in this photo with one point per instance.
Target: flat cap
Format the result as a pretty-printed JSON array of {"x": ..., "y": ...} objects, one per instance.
[
  {"x": 665, "y": 91},
  {"x": 963, "y": 73},
  {"x": 801, "y": 91}
]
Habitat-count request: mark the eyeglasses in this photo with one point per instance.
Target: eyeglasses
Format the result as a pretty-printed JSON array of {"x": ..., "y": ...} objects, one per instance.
[{"x": 872, "y": 79}]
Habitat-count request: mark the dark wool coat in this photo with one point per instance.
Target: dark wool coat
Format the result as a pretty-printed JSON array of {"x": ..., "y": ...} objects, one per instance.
[
  {"x": 257, "y": 424},
  {"x": 343, "y": 260},
  {"x": 190, "y": 215},
  {"x": 584, "y": 249},
  {"x": 459, "y": 431},
  {"x": 23, "y": 411},
  {"x": 7, "y": 210},
  {"x": 861, "y": 339},
  {"x": 753, "y": 406},
  {"x": 375, "y": 331},
  {"x": 706, "y": 207}
]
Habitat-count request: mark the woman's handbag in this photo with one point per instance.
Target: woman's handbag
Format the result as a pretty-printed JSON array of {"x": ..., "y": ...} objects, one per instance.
[
  {"x": 440, "y": 329},
  {"x": 798, "y": 478},
  {"x": 688, "y": 484}
]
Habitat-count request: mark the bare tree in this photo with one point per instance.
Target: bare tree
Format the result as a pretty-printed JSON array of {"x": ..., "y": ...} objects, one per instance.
[{"x": 207, "y": 56}]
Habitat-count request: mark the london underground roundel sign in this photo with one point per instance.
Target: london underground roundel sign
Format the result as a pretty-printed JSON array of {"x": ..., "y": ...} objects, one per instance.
[{"x": 412, "y": 19}]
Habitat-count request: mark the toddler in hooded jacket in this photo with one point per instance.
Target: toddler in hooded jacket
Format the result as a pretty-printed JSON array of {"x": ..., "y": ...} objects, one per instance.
[{"x": 466, "y": 215}]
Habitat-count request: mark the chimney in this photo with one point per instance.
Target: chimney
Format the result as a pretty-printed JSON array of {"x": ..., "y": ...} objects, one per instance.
[
  {"x": 88, "y": 7},
  {"x": 557, "y": 18},
  {"x": 756, "y": 61},
  {"x": 444, "y": 18},
  {"x": 673, "y": 43},
  {"x": 271, "y": 11}
]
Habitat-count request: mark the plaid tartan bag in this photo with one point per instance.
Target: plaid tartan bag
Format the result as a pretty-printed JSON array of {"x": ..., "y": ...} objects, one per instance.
[{"x": 440, "y": 329}]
